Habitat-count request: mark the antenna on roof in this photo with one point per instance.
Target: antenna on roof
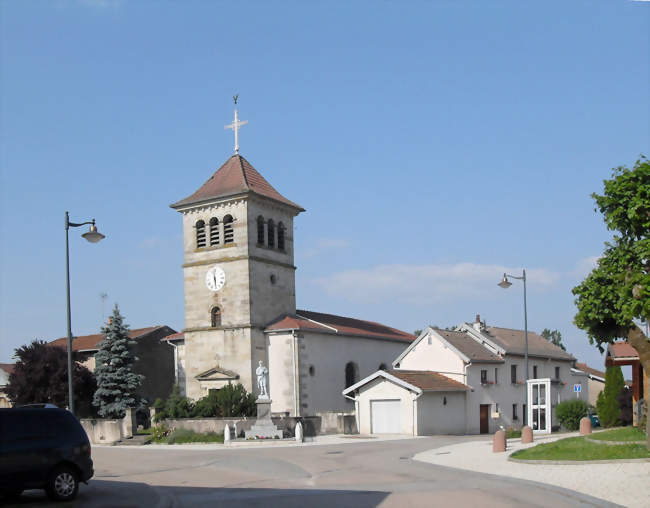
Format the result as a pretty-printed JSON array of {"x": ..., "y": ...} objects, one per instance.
[{"x": 236, "y": 124}]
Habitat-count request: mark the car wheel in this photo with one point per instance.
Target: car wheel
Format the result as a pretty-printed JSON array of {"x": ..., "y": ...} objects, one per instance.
[{"x": 63, "y": 484}]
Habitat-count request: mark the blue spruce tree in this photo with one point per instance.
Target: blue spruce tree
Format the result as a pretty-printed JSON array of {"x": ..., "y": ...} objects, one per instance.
[{"x": 116, "y": 381}]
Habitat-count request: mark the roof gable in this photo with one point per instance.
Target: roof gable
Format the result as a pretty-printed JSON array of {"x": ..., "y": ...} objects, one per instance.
[
  {"x": 217, "y": 374},
  {"x": 235, "y": 176}
]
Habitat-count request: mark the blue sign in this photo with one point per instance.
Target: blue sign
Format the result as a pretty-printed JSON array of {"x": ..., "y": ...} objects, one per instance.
[{"x": 577, "y": 388}]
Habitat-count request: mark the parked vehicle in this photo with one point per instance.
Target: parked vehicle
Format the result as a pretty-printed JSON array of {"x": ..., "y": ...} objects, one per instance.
[
  {"x": 595, "y": 422},
  {"x": 43, "y": 448}
]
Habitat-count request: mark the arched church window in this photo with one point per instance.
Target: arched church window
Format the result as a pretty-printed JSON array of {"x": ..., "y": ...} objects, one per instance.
[
  {"x": 351, "y": 374},
  {"x": 271, "y": 233},
  {"x": 215, "y": 317},
  {"x": 281, "y": 229},
  {"x": 228, "y": 233},
  {"x": 200, "y": 234},
  {"x": 260, "y": 230},
  {"x": 214, "y": 231}
]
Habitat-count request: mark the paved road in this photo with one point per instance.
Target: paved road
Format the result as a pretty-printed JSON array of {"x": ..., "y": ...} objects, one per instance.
[{"x": 355, "y": 475}]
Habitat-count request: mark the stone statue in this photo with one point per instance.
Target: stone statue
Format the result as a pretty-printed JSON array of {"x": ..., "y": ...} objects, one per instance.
[{"x": 262, "y": 380}]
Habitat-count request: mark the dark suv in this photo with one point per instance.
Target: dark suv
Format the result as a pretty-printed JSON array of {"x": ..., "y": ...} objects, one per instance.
[{"x": 43, "y": 448}]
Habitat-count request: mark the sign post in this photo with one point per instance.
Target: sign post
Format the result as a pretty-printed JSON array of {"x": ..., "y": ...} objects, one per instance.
[{"x": 577, "y": 388}]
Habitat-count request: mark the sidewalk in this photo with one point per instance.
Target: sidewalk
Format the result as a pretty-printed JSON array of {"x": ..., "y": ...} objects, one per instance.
[{"x": 626, "y": 484}]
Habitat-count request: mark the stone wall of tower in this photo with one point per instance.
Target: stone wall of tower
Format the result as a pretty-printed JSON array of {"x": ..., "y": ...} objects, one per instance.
[{"x": 272, "y": 272}]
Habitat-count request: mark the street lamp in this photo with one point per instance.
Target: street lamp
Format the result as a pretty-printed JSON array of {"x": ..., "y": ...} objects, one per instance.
[
  {"x": 505, "y": 284},
  {"x": 93, "y": 236}
]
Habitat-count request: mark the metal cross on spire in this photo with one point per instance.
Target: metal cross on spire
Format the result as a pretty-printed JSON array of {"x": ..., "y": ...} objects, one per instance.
[{"x": 236, "y": 124}]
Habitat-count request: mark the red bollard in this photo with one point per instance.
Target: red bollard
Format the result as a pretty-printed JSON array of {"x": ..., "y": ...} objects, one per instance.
[
  {"x": 585, "y": 426},
  {"x": 499, "y": 441},
  {"x": 526, "y": 434}
]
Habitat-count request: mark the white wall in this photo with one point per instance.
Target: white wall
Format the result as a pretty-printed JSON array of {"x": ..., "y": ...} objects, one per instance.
[
  {"x": 436, "y": 417},
  {"x": 436, "y": 356}
]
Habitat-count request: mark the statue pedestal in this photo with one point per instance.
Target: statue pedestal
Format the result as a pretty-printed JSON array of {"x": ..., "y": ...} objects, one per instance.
[{"x": 263, "y": 426}]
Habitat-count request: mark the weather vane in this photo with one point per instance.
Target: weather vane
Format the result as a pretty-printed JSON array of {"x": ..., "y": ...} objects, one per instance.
[{"x": 236, "y": 124}]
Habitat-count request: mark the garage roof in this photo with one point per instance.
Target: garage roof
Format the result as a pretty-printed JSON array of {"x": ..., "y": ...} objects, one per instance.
[{"x": 417, "y": 381}]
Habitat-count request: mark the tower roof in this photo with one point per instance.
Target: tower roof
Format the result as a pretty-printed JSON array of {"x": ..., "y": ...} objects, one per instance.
[{"x": 236, "y": 176}]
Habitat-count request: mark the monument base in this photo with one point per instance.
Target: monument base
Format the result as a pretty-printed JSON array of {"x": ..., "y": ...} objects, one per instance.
[{"x": 263, "y": 428}]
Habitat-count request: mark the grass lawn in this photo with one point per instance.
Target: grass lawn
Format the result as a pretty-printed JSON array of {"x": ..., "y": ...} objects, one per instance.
[
  {"x": 511, "y": 433},
  {"x": 624, "y": 434},
  {"x": 576, "y": 448}
]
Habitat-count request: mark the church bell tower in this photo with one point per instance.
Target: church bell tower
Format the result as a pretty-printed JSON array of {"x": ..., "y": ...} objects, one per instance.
[{"x": 238, "y": 272}]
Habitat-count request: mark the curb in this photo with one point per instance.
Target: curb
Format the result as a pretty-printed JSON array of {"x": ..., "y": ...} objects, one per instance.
[
  {"x": 577, "y": 462},
  {"x": 600, "y": 441}
]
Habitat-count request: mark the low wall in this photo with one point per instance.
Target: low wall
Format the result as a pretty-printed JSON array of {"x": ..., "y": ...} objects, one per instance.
[
  {"x": 102, "y": 431},
  {"x": 217, "y": 425}
]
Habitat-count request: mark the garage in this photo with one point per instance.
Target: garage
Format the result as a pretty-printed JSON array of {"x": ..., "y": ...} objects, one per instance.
[{"x": 385, "y": 416}]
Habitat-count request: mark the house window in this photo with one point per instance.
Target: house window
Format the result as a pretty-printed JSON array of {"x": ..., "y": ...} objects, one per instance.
[
  {"x": 524, "y": 414},
  {"x": 200, "y": 234},
  {"x": 214, "y": 231},
  {"x": 382, "y": 366},
  {"x": 496, "y": 375},
  {"x": 513, "y": 374},
  {"x": 215, "y": 317},
  {"x": 557, "y": 372},
  {"x": 270, "y": 233},
  {"x": 260, "y": 230},
  {"x": 484, "y": 377},
  {"x": 228, "y": 233},
  {"x": 351, "y": 374},
  {"x": 514, "y": 412},
  {"x": 312, "y": 370},
  {"x": 281, "y": 229},
  {"x": 534, "y": 371}
]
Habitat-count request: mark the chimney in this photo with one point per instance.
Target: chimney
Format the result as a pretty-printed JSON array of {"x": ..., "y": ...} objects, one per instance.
[
  {"x": 478, "y": 318},
  {"x": 477, "y": 325}
]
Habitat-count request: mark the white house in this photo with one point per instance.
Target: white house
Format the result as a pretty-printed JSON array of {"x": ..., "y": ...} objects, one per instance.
[{"x": 489, "y": 361}]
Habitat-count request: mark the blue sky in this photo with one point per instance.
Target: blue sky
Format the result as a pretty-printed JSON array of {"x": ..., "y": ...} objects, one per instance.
[{"x": 433, "y": 144}]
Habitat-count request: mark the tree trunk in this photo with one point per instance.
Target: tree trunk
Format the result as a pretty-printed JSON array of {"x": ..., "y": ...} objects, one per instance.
[{"x": 637, "y": 339}]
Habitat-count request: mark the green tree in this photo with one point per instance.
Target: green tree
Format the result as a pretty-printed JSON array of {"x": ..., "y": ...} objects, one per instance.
[
  {"x": 41, "y": 375},
  {"x": 617, "y": 292},
  {"x": 570, "y": 412},
  {"x": 553, "y": 336},
  {"x": 609, "y": 410},
  {"x": 116, "y": 381},
  {"x": 234, "y": 400}
]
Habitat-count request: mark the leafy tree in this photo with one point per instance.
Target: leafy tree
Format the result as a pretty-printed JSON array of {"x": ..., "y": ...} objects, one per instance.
[
  {"x": 617, "y": 292},
  {"x": 553, "y": 336},
  {"x": 609, "y": 410},
  {"x": 176, "y": 406},
  {"x": 570, "y": 412},
  {"x": 116, "y": 381},
  {"x": 41, "y": 375}
]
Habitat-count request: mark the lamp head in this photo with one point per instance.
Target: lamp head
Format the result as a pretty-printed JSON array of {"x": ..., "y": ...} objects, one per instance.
[
  {"x": 505, "y": 283},
  {"x": 93, "y": 236}
]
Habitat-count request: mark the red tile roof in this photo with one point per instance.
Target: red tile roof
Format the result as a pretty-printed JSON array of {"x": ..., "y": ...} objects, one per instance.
[
  {"x": 339, "y": 325},
  {"x": 429, "y": 381},
  {"x": 585, "y": 368},
  {"x": 91, "y": 342},
  {"x": 174, "y": 336},
  {"x": 621, "y": 350},
  {"x": 236, "y": 176},
  {"x": 7, "y": 367}
]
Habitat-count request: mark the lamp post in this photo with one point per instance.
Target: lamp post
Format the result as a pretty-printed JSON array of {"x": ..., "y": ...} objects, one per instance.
[
  {"x": 505, "y": 284},
  {"x": 93, "y": 236}
]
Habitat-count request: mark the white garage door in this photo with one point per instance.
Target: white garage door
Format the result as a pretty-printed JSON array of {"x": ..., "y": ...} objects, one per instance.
[{"x": 385, "y": 416}]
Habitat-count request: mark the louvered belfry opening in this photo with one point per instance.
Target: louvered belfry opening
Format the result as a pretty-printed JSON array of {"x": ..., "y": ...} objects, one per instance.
[
  {"x": 281, "y": 229},
  {"x": 271, "y": 233},
  {"x": 260, "y": 230},
  {"x": 214, "y": 231},
  {"x": 215, "y": 317},
  {"x": 200, "y": 234},
  {"x": 228, "y": 233}
]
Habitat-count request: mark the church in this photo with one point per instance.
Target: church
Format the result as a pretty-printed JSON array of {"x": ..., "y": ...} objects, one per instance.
[{"x": 240, "y": 302}]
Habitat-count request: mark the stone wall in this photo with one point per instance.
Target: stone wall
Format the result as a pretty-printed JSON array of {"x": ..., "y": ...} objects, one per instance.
[
  {"x": 103, "y": 431},
  {"x": 202, "y": 425}
]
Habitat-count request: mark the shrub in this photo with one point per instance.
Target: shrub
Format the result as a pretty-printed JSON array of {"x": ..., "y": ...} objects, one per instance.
[
  {"x": 159, "y": 432},
  {"x": 179, "y": 436},
  {"x": 234, "y": 400},
  {"x": 609, "y": 411},
  {"x": 207, "y": 406},
  {"x": 570, "y": 412}
]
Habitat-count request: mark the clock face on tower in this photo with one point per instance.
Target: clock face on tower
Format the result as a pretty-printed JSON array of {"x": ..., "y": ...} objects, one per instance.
[{"x": 215, "y": 278}]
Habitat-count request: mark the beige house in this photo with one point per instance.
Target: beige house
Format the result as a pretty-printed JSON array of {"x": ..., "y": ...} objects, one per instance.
[
  {"x": 5, "y": 370},
  {"x": 595, "y": 381},
  {"x": 240, "y": 303},
  {"x": 155, "y": 359}
]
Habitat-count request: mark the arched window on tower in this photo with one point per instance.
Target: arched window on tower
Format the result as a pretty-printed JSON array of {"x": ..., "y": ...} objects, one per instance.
[
  {"x": 260, "y": 230},
  {"x": 214, "y": 231},
  {"x": 281, "y": 230},
  {"x": 271, "y": 233},
  {"x": 200, "y": 234},
  {"x": 228, "y": 233},
  {"x": 351, "y": 374},
  {"x": 215, "y": 317}
]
